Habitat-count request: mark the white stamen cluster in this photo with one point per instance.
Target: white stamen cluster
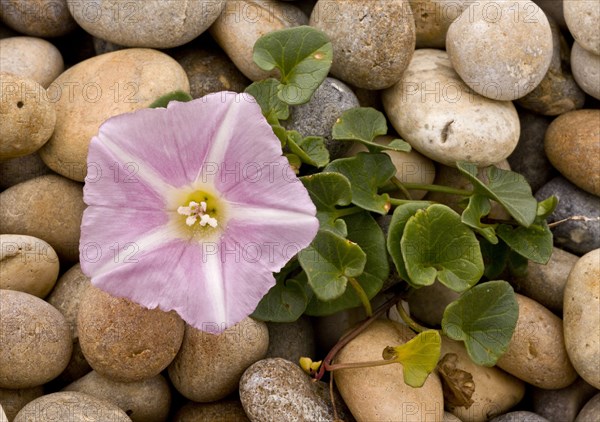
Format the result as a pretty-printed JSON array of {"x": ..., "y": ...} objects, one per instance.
[{"x": 196, "y": 211}]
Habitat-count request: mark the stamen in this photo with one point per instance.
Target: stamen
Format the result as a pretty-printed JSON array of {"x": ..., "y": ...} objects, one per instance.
[{"x": 197, "y": 211}]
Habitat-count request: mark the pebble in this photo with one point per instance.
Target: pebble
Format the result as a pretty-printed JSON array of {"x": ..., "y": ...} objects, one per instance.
[
  {"x": 449, "y": 417},
  {"x": 379, "y": 393},
  {"x": 536, "y": 353},
  {"x": 243, "y": 22},
  {"x": 274, "y": 390},
  {"x": 583, "y": 20},
  {"x": 572, "y": 144},
  {"x": 31, "y": 58},
  {"x": 292, "y": 340},
  {"x": 14, "y": 400},
  {"x": 98, "y": 88},
  {"x": 583, "y": 234},
  {"x": 432, "y": 20},
  {"x": 71, "y": 406},
  {"x": 585, "y": 67},
  {"x": 432, "y": 109},
  {"x": 319, "y": 114},
  {"x": 40, "y": 18},
  {"x": 428, "y": 303},
  {"x": 581, "y": 317},
  {"x": 148, "y": 400},
  {"x": 520, "y": 416},
  {"x": 141, "y": 23},
  {"x": 590, "y": 411},
  {"x": 28, "y": 117},
  {"x": 35, "y": 341},
  {"x": 558, "y": 92},
  {"x": 227, "y": 410},
  {"x": 48, "y": 207},
  {"x": 373, "y": 40},
  {"x": 553, "y": 9},
  {"x": 20, "y": 169},
  {"x": 564, "y": 404},
  {"x": 209, "y": 367},
  {"x": 330, "y": 328},
  {"x": 124, "y": 341},
  {"x": 27, "y": 264},
  {"x": 77, "y": 367},
  {"x": 481, "y": 45}
]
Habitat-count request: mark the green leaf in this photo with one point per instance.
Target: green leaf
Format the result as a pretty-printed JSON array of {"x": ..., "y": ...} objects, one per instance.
[
  {"x": 265, "y": 93},
  {"x": 533, "y": 242},
  {"x": 395, "y": 232},
  {"x": 311, "y": 150},
  {"x": 508, "y": 188},
  {"x": 366, "y": 173},
  {"x": 517, "y": 264},
  {"x": 164, "y": 100},
  {"x": 484, "y": 318},
  {"x": 329, "y": 261},
  {"x": 294, "y": 161},
  {"x": 419, "y": 356},
  {"x": 436, "y": 245},
  {"x": 285, "y": 302},
  {"x": 495, "y": 258},
  {"x": 303, "y": 56},
  {"x": 546, "y": 207},
  {"x": 327, "y": 190},
  {"x": 479, "y": 206}
]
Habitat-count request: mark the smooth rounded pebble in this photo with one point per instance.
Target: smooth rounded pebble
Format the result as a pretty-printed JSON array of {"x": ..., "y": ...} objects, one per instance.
[
  {"x": 27, "y": 264},
  {"x": 432, "y": 109},
  {"x": 583, "y": 20},
  {"x": 95, "y": 89},
  {"x": 563, "y": 404},
  {"x": 208, "y": 367},
  {"x": 536, "y": 352},
  {"x": 373, "y": 40},
  {"x": 14, "y": 400},
  {"x": 71, "y": 406},
  {"x": 124, "y": 341},
  {"x": 35, "y": 341},
  {"x": 520, "y": 416},
  {"x": 590, "y": 411},
  {"x": 581, "y": 317},
  {"x": 28, "y": 118},
  {"x": 586, "y": 70},
  {"x": 146, "y": 23},
  {"x": 433, "y": 18},
  {"x": 47, "y": 207},
  {"x": 31, "y": 58},
  {"x": 39, "y": 18},
  {"x": 499, "y": 50}
]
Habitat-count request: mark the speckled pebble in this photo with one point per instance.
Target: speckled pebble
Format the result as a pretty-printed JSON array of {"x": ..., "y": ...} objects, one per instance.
[
  {"x": 40, "y": 18},
  {"x": 583, "y": 20},
  {"x": 586, "y": 70},
  {"x": 590, "y": 411},
  {"x": 227, "y": 410},
  {"x": 433, "y": 18},
  {"x": 32, "y": 58},
  {"x": 519, "y": 416}
]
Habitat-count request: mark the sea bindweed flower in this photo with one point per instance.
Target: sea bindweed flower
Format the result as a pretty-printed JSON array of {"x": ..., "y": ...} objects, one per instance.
[{"x": 192, "y": 208}]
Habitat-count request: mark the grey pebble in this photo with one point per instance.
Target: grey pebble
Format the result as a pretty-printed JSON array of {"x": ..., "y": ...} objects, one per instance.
[{"x": 519, "y": 416}]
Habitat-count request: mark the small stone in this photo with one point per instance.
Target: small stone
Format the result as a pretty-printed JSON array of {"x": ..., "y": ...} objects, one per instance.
[
  {"x": 520, "y": 416},
  {"x": 20, "y": 169},
  {"x": 581, "y": 317},
  {"x": 583, "y": 20},
  {"x": 40, "y": 18},
  {"x": 71, "y": 406},
  {"x": 228, "y": 410},
  {"x": 28, "y": 118},
  {"x": 209, "y": 367},
  {"x": 35, "y": 341},
  {"x": 590, "y": 411},
  {"x": 433, "y": 18},
  {"x": 146, "y": 23},
  {"x": 317, "y": 116},
  {"x": 373, "y": 40},
  {"x": 536, "y": 352},
  {"x": 292, "y": 340},
  {"x": 564, "y": 404},
  {"x": 272, "y": 390},
  {"x": 428, "y": 303},
  {"x": 31, "y": 58},
  {"x": 581, "y": 234},
  {"x": 77, "y": 367},
  {"x": 586, "y": 70},
  {"x": 48, "y": 207},
  {"x": 148, "y": 400},
  {"x": 553, "y": 9},
  {"x": 124, "y": 341},
  {"x": 14, "y": 400}
]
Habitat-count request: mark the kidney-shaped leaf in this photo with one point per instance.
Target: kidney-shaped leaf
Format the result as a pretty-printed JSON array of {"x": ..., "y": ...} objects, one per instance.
[{"x": 418, "y": 357}]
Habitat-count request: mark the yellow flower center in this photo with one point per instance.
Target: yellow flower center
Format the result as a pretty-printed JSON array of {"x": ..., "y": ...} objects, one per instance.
[{"x": 201, "y": 213}]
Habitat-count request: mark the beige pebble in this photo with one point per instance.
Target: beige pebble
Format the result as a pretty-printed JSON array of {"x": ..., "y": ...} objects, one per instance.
[
  {"x": 586, "y": 70},
  {"x": 40, "y": 18},
  {"x": 433, "y": 18},
  {"x": 14, "y": 400},
  {"x": 31, "y": 58},
  {"x": 583, "y": 20},
  {"x": 227, "y": 410}
]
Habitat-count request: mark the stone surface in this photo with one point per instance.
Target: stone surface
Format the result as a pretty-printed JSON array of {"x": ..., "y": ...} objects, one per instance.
[
  {"x": 124, "y": 341},
  {"x": 209, "y": 367},
  {"x": 432, "y": 20},
  {"x": 146, "y": 23},
  {"x": 98, "y": 88},
  {"x": 243, "y": 22},
  {"x": 581, "y": 317},
  {"x": 428, "y": 303},
  {"x": 31, "y": 58},
  {"x": 481, "y": 45},
  {"x": 27, "y": 264},
  {"x": 148, "y": 400},
  {"x": 14, "y": 400},
  {"x": 292, "y": 340},
  {"x": 520, "y": 416},
  {"x": 228, "y": 410},
  {"x": 554, "y": 10},
  {"x": 28, "y": 118},
  {"x": 590, "y": 411},
  {"x": 71, "y": 406},
  {"x": 373, "y": 40},
  {"x": 536, "y": 352},
  {"x": 432, "y": 109},
  {"x": 40, "y": 18},
  {"x": 47, "y": 207},
  {"x": 77, "y": 367},
  {"x": 563, "y": 404},
  {"x": 35, "y": 341},
  {"x": 317, "y": 116},
  {"x": 395, "y": 400},
  {"x": 572, "y": 144},
  {"x": 330, "y": 328},
  {"x": 583, "y": 19},
  {"x": 581, "y": 234},
  {"x": 20, "y": 169},
  {"x": 586, "y": 70}
]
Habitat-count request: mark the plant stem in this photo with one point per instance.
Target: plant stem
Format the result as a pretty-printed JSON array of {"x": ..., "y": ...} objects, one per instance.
[
  {"x": 347, "y": 211},
  {"x": 361, "y": 295},
  {"x": 437, "y": 188},
  {"x": 350, "y": 365},
  {"x": 409, "y": 321},
  {"x": 397, "y": 202},
  {"x": 398, "y": 183}
]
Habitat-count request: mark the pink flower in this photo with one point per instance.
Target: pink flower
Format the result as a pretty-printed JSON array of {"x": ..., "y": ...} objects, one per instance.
[{"x": 192, "y": 208}]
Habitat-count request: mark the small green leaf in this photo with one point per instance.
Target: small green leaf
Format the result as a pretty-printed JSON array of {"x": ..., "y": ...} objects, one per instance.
[
  {"x": 328, "y": 190},
  {"x": 546, "y": 207},
  {"x": 265, "y": 93},
  {"x": 436, "y": 245},
  {"x": 533, "y": 242},
  {"x": 495, "y": 258},
  {"x": 294, "y": 161},
  {"x": 508, "y": 188},
  {"x": 399, "y": 145},
  {"x": 329, "y": 261},
  {"x": 311, "y": 150},
  {"x": 285, "y": 302},
  {"x": 484, "y": 318},
  {"x": 366, "y": 173},
  {"x": 303, "y": 56},
  {"x": 163, "y": 101},
  {"x": 479, "y": 206},
  {"x": 517, "y": 264}
]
